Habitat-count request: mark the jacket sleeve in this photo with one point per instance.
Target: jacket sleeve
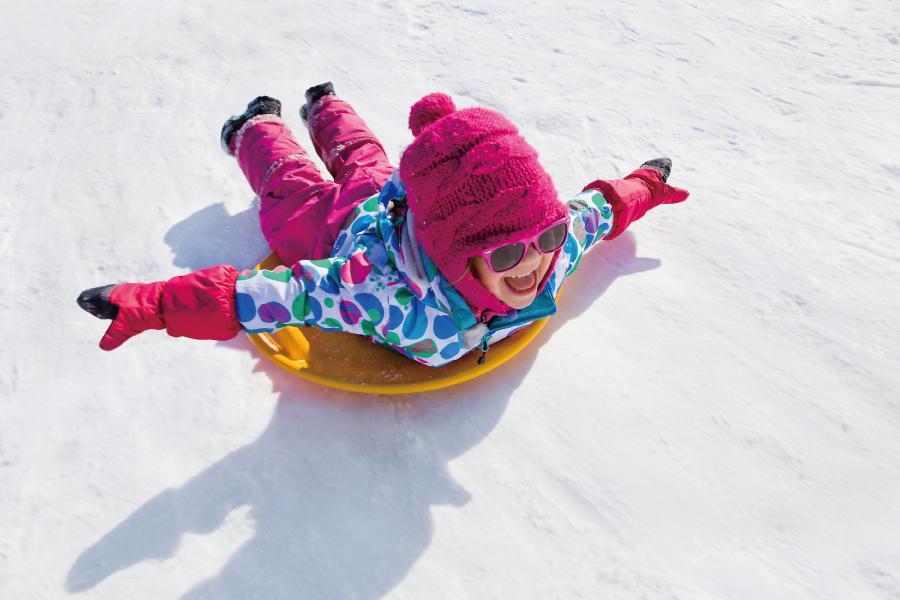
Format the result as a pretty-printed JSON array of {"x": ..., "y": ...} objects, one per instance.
[
  {"x": 333, "y": 293},
  {"x": 591, "y": 220},
  {"x": 345, "y": 294}
]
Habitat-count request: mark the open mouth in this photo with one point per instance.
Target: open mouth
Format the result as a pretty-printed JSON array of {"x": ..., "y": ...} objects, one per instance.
[{"x": 523, "y": 284}]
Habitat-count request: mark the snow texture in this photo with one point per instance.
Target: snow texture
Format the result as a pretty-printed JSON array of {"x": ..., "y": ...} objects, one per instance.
[{"x": 713, "y": 414}]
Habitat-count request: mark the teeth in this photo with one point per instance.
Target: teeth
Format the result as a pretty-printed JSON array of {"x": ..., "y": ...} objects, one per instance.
[{"x": 521, "y": 283}]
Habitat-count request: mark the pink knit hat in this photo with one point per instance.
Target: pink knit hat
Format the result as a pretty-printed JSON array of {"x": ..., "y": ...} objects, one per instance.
[{"x": 472, "y": 182}]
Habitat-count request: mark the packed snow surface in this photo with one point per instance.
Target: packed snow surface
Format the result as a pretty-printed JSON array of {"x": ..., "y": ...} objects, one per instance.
[{"x": 715, "y": 412}]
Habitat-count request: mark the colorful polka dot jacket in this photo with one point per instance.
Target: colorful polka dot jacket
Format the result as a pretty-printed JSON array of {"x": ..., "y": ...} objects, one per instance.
[{"x": 378, "y": 282}]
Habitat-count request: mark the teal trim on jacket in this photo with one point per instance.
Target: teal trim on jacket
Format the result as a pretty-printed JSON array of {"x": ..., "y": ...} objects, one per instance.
[{"x": 378, "y": 282}]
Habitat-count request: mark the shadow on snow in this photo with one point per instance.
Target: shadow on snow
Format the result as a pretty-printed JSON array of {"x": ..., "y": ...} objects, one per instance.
[{"x": 339, "y": 485}]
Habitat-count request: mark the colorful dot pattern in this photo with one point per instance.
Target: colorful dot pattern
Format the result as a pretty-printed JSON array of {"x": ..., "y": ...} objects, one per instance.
[{"x": 363, "y": 288}]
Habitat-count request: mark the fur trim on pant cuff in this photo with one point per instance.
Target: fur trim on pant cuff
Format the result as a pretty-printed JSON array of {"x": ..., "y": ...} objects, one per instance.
[{"x": 239, "y": 136}]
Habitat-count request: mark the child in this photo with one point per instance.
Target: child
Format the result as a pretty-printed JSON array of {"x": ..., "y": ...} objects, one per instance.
[{"x": 464, "y": 244}]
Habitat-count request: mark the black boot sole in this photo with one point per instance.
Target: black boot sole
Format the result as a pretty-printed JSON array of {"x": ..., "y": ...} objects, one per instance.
[{"x": 313, "y": 95}]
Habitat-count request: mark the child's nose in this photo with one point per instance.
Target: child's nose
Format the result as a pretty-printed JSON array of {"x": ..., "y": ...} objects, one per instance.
[{"x": 532, "y": 254}]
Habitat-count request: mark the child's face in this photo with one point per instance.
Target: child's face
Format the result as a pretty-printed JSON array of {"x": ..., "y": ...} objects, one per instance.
[{"x": 518, "y": 286}]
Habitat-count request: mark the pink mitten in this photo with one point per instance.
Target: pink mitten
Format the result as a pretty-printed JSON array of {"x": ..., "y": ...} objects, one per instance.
[{"x": 638, "y": 192}]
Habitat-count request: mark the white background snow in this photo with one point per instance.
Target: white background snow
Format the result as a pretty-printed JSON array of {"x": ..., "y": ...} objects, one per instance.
[{"x": 715, "y": 412}]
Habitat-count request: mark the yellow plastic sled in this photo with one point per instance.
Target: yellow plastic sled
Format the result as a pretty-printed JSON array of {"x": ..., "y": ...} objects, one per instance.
[{"x": 351, "y": 362}]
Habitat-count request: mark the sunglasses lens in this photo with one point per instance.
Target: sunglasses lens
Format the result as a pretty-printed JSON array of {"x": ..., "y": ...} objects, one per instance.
[
  {"x": 506, "y": 257},
  {"x": 553, "y": 238}
]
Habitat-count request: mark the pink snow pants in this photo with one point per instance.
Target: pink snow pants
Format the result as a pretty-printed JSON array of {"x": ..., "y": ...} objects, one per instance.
[{"x": 300, "y": 213}]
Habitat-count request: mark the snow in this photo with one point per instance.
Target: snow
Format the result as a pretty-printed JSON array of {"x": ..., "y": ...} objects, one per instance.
[{"x": 713, "y": 413}]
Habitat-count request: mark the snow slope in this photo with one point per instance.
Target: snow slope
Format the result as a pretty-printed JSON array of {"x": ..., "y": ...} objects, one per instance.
[{"x": 713, "y": 414}]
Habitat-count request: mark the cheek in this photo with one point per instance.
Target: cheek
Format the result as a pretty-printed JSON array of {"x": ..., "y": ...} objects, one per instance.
[
  {"x": 488, "y": 278},
  {"x": 491, "y": 280},
  {"x": 545, "y": 265}
]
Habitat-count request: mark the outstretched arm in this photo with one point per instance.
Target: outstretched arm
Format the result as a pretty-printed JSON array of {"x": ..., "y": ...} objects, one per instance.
[
  {"x": 334, "y": 294},
  {"x": 218, "y": 302},
  {"x": 606, "y": 207}
]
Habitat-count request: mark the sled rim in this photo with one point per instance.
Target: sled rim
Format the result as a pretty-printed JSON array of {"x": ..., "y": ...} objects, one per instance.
[{"x": 294, "y": 352}]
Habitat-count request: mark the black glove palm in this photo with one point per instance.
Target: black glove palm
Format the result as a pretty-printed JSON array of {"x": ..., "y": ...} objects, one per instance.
[
  {"x": 96, "y": 301},
  {"x": 663, "y": 165}
]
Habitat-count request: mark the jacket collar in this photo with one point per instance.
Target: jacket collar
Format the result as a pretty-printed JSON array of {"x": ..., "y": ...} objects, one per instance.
[{"x": 423, "y": 278}]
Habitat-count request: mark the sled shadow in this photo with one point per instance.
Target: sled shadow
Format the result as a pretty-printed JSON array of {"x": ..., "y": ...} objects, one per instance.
[{"x": 339, "y": 486}]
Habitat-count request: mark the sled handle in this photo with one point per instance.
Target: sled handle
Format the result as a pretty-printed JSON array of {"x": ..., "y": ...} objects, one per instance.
[{"x": 285, "y": 353}]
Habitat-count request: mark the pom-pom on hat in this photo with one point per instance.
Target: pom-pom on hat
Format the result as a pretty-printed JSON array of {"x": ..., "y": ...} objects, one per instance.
[
  {"x": 472, "y": 182},
  {"x": 428, "y": 110}
]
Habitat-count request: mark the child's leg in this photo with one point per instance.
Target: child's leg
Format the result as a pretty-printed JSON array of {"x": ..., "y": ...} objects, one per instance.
[
  {"x": 300, "y": 213},
  {"x": 345, "y": 143},
  {"x": 351, "y": 153},
  {"x": 294, "y": 199}
]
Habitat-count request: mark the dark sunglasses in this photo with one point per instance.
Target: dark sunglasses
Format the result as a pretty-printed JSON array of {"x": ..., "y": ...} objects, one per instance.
[{"x": 508, "y": 255}]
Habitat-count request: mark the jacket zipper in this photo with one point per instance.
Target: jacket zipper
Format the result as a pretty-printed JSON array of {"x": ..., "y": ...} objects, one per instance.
[
  {"x": 484, "y": 349},
  {"x": 484, "y": 342}
]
